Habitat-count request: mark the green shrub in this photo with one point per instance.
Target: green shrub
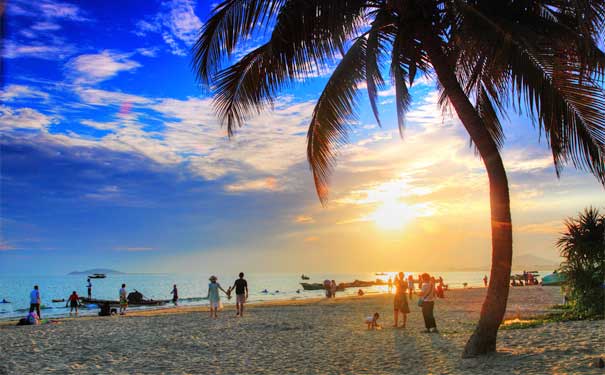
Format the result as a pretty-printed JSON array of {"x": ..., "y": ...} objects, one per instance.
[{"x": 583, "y": 247}]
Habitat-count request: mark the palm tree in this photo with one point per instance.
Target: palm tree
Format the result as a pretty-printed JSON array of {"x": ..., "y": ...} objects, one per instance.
[
  {"x": 540, "y": 57},
  {"x": 582, "y": 244}
]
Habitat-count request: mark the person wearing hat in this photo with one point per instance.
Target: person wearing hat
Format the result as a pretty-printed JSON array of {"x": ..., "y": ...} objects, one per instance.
[{"x": 214, "y": 297}]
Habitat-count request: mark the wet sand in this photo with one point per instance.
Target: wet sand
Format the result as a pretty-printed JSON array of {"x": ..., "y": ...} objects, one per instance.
[{"x": 305, "y": 337}]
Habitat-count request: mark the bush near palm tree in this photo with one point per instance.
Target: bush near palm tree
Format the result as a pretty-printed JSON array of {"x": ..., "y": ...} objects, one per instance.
[
  {"x": 583, "y": 247},
  {"x": 540, "y": 58}
]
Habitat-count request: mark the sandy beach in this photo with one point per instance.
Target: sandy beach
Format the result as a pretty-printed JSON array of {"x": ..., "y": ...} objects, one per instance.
[{"x": 305, "y": 337}]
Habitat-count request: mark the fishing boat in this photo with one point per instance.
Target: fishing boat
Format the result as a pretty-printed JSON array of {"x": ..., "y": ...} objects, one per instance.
[
  {"x": 97, "y": 276},
  {"x": 59, "y": 300},
  {"x": 343, "y": 286},
  {"x": 319, "y": 286},
  {"x": 304, "y": 277},
  {"x": 554, "y": 279},
  {"x": 134, "y": 299},
  {"x": 381, "y": 274}
]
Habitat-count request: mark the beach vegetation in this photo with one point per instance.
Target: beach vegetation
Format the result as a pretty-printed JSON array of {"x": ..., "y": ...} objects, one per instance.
[
  {"x": 535, "y": 58},
  {"x": 582, "y": 245}
]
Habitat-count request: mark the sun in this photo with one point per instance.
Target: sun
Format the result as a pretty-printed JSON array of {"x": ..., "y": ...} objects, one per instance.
[{"x": 393, "y": 215}]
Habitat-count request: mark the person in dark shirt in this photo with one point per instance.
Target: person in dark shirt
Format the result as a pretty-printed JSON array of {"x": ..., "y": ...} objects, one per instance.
[
  {"x": 241, "y": 293},
  {"x": 175, "y": 295}
]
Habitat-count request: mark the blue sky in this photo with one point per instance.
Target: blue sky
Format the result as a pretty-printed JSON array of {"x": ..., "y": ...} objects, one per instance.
[{"x": 112, "y": 157}]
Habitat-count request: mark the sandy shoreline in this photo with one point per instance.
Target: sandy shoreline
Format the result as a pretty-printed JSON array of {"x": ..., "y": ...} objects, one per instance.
[{"x": 304, "y": 337}]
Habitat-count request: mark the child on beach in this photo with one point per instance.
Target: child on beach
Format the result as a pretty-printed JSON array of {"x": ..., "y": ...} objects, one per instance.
[
  {"x": 372, "y": 321},
  {"x": 213, "y": 296}
]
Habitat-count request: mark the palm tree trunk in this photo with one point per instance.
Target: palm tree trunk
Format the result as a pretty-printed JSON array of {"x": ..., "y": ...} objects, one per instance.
[{"x": 483, "y": 340}]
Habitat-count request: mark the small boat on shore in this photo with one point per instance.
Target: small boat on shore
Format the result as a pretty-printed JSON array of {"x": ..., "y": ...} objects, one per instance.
[
  {"x": 554, "y": 279},
  {"x": 134, "y": 299},
  {"x": 343, "y": 286},
  {"x": 97, "y": 276}
]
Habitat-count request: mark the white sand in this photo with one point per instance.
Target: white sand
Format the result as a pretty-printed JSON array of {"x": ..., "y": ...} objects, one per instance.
[{"x": 313, "y": 337}]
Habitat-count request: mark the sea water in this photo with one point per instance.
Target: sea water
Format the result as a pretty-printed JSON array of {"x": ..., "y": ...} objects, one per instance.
[{"x": 192, "y": 288}]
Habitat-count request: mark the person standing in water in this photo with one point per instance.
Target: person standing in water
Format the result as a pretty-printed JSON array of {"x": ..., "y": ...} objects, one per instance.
[
  {"x": 35, "y": 300},
  {"x": 123, "y": 299},
  {"x": 175, "y": 295},
  {"x": 73, "y": 302},
  {"x": 89, "y": 288},
  {"x": 213, "y": 296},
  {"x": 333, "y": 288},
  {"x": 390, "y": 284},
  {"x": 241, "y": 294},
  {"x": 485, "y": 280}
]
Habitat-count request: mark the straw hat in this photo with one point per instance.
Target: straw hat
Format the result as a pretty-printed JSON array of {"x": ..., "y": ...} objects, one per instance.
[{"x": 212, "y": 278}]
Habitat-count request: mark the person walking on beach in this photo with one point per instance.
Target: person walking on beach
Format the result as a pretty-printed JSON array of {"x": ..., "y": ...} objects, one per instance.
[
  {"x": 175, "y": 295},
  {"x": 410, "y": 286},
  {"x": 485, "y": 280},
  {"x": 241, "y": 294},
  {"x": 35, "y": 301},
  {"x": 123, "y": 299},
  {"x": 400, "y": 302},
  {"x": 73, "y": 302},
  {"x": 213, "y": 296},
  {"x": 390, "y": 285},
  {"x": 427, "y": 302},
  {"x": 89, "y": 288},
  {"x": 333, "y": 288},
  {"x": 328, "y": 288}
]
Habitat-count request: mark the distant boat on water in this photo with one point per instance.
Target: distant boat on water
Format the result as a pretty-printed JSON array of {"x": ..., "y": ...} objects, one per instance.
[
  {"x": 97, "y": 276},
  {"x": 304, "y": 277}
]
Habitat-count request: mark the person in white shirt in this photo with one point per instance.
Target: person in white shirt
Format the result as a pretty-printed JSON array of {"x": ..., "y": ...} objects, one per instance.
[
  {"x": 427, "y": 302},
  {"x": 123, "y": 299},
  {"x": 34, "y": 301}
]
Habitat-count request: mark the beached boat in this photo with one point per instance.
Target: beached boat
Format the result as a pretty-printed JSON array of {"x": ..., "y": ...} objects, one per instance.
[
  {"x": 343, "y": 286},
  {"x": 554, "y": 279},
  {"x": 100, "y": 302},
  {"x": 97, "y": 276},
  {"x": 134, "y": 299}
]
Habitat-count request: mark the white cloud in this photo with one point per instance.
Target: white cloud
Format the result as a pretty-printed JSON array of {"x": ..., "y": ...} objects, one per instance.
[
  {"x": 109, "y": 125},
  {"x": 261, "y": 184},
  {"x": 23, "y": 118},
  {"x": 176, "y": 22},
  {"x": 94, "y": 68},
  {"x": 104, "y": 97},
  {"x": 45, "y": 26},
  {"x": 12, "y": 92},
  {"x": 61, "y": 10},
  {"x": 47, "y": 51}
]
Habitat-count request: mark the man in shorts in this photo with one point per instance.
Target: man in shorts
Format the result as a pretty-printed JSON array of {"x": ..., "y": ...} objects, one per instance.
[
  {"x": 123, "y": 299},
  {"x": 241, "y": 293},
  {"x": 35, "y": 301}
]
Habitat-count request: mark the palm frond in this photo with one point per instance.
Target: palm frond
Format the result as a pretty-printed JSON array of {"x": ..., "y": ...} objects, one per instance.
[
  {"x": 232, "y": 21},
  {"x": 335, "y": 107},
  {"x": 307, "y": 37}
]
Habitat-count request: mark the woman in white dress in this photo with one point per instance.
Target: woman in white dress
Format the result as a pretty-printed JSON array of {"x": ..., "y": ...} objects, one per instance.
[{"x": 213, "y": 296}]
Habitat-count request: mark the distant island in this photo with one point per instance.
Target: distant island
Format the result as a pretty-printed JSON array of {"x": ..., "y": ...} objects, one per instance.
[{"x": 106, "y": 271}]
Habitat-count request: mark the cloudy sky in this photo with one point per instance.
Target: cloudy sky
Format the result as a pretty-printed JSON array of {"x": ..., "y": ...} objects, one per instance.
[{"x": 112, "y": 157}]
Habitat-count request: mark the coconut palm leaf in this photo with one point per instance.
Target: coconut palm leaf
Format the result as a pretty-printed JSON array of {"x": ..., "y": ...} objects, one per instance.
[{"x": 334, "y": 108}]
